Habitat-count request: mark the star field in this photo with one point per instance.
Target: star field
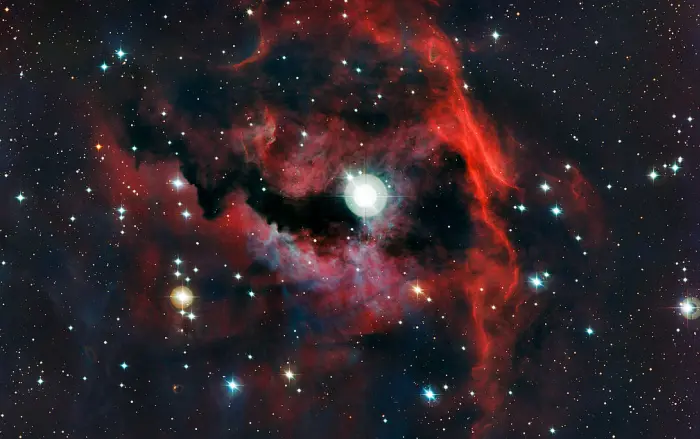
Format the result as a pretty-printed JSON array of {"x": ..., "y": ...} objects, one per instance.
[{"x": 349, "y": 218}]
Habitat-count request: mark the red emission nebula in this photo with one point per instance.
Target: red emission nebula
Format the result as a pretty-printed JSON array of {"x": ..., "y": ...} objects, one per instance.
[{"x": 382, "y": 90}]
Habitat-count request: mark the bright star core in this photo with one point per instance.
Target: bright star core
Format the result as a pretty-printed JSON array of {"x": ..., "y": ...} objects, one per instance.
[
  {"x": 181, "y": 297},
  {"x": 365, "y": 195},
  {"x": 690, "y": 308}
]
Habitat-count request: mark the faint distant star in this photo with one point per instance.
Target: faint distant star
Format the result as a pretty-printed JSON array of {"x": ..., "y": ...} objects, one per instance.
[
  {"x": 556, "y": 210},
  {"x": 653, "y": 175},
  {"x": 545, "y": 187},
  {"x": 20, "y": 197},
  {"x": 124, "y": 366}
]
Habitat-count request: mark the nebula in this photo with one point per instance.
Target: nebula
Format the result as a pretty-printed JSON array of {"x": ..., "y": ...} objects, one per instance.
[{"x": 377, "y": 88}]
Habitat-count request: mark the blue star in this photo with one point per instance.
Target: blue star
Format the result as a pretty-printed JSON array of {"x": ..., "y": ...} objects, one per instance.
[
  {"x": 120, "y": 53},
  {"x": 536, "y": 282},
  {"x": 124, "y": 366},
  {"x": 233, "y": 385},
  {"x": 429, "y": 394},
  {"x": 104, "y": 67}
]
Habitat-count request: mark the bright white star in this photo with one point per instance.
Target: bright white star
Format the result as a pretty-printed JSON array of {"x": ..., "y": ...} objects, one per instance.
[{"x": 232, "y": 385}]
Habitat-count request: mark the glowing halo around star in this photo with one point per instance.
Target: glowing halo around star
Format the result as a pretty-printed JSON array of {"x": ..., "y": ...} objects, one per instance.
[
  {"x": 365, "y": 195},
  {"x": 690, "y": 308},
  {"x": 181, "y": 297}
]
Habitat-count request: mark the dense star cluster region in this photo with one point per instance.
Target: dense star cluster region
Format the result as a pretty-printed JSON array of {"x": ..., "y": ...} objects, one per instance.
[{"x": 396, "y": 219}]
